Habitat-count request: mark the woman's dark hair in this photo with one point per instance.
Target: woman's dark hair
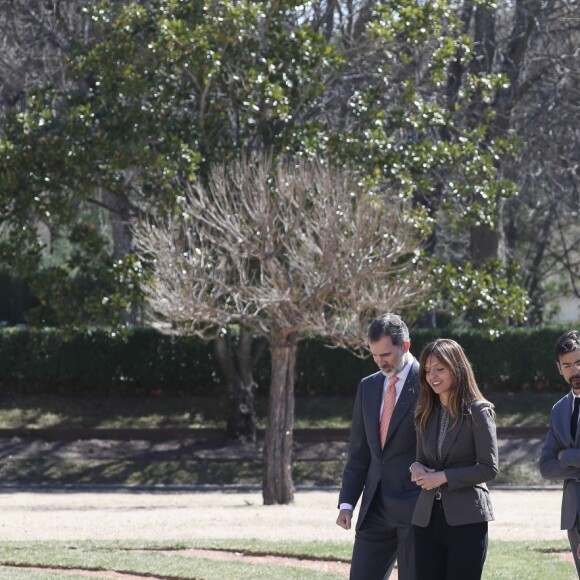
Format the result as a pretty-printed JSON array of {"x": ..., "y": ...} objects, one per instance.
[{"x": 464, "y": 389}]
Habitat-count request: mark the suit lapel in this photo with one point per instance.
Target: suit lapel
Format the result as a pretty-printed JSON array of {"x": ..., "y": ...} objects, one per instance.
[
  {"x": 451, "y": 436},
  {"x": 432, "y": 437},
  {"x": 564, "y": 419},
  {"x": 374, "y": 402},
  {"x": 406, "y": 399}
]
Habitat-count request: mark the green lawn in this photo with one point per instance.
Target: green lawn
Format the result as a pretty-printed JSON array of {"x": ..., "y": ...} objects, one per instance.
[
  {"x": 513, "y": 410},
  {"x": 536, "y": 560}
]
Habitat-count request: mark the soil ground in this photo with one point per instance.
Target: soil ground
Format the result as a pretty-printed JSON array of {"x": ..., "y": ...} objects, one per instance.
[
  {"x": 135, "y": 514},
  {"x": 206, "y": 512}
]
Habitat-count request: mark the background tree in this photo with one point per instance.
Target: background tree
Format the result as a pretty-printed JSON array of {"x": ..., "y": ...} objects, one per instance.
[
  {"x": 36, "y": 36},
  {"x": 426, "y": 79},
  {"x": 528, "y": 46},
  {"x": 237, "y": 353},
  {"x": 288, "y": 250},
  {"x": 159, "y": 91},
  {"x": 403, "y": 122},
  {"x": 540, "y": 225},
  {"x": 135, "y": 93},
  {"x": 48, "y": 230}
]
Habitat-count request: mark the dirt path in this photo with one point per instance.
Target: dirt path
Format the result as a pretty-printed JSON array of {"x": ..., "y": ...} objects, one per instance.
[
  {"x": 193, "y": 515},
  {"x": 107, "y": 515},
  {"x": 102, "y": 514}
]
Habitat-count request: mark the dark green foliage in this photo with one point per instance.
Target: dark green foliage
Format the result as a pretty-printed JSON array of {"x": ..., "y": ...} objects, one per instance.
[
  {"x": 102, "y": 362},
  {"x": 520, "y": 358},
  {"x": 15, "y": 299}
]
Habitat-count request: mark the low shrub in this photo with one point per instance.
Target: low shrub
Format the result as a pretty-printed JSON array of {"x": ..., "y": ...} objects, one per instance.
[{"x": 104, "y": 362}]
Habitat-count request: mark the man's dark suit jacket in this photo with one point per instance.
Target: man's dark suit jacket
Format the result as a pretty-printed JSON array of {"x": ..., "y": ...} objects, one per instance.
[
  {"x": 567, "y": 468},
  {"x": 367, "y": 465}
]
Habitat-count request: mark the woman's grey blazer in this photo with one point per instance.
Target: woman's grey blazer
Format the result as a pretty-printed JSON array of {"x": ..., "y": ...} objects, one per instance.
[{"x": 469, "y": 458}]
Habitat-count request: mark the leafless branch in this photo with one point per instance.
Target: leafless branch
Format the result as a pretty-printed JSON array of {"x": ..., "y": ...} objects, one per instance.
[{"x": 288, "y": 249}]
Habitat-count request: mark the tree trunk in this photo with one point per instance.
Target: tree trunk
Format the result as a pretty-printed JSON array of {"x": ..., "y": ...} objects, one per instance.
[
  {"x": 485, "y": 244},
  {"x": 236, "y": 362},
  {"x": 120, "y": 216},
  {"x": 277, "y": 486}
]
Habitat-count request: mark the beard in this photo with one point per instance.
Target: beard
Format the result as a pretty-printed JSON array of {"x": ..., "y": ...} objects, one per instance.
[{"x": 397, "y": 367}]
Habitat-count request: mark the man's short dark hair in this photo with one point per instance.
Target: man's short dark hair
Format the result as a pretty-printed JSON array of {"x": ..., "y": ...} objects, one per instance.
[
  {"x": 390, "y": 325},
  {"x": 568, "y": 342}
]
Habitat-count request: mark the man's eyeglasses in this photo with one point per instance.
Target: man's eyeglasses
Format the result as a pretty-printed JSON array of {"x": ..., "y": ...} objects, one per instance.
[{"x": 568, "y": 366}]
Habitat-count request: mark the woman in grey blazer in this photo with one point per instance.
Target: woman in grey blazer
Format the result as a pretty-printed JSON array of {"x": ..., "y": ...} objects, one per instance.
[{"x": 456, "y": 455}]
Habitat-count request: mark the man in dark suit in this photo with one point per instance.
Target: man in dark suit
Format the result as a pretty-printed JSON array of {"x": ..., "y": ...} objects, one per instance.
[
  {"x": 560, "y": 457},
  {"x": 381, "y": 450}
]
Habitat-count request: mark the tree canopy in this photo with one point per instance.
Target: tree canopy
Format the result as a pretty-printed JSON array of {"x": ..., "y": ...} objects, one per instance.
[
  {"x": 441, "y": 117},
  {"x": 151, "y": 93}
]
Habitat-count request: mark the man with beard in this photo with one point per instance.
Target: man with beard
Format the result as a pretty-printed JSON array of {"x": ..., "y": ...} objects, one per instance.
[
  {"x": 560, "y": 458},
  {"x": 381, "y": 450}
]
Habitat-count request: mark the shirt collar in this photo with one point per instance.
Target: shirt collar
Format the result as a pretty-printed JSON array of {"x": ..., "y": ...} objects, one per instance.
[{"x": 402, "y": 374}]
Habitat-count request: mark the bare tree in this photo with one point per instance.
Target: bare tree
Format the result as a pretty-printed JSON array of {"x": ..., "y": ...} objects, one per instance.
[
  {"x": 534, "y": 45},
  {"x": 541, "y": 224},
  {"x": 35, "y": 36},
  {"x": 285, "y": 250}
]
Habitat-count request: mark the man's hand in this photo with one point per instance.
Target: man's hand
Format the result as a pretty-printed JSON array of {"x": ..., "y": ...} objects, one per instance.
[
  {"x": 560, "y": 453},
  {"x": 419, "y": 470},
  {"x": 344, "y": 518}
]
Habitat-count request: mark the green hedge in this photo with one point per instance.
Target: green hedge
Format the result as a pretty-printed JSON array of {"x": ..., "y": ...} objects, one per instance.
[
  {"x": 520, "y": 359},
  {"x": 101, "y": 362}
]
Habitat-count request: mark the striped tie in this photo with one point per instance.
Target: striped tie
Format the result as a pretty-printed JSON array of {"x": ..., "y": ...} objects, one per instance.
[{"x": 388, "y": 407}]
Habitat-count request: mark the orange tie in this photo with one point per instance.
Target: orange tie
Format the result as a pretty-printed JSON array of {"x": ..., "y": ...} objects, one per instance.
[{"x": 388, "y": 407}]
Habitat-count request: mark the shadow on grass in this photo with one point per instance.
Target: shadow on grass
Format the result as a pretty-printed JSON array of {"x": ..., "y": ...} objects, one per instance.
[{"x": 98, "y": 472}]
